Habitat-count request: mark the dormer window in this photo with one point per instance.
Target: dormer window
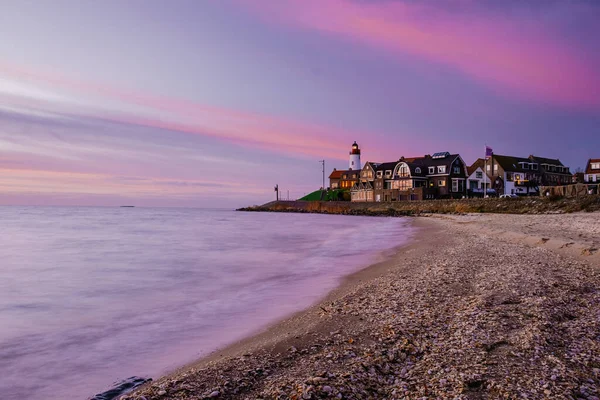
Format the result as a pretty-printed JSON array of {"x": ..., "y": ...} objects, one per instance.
[
  {"x": 457, "y": 170},
  {"x": 595, "y": 166},
  {"x": 432, "y": 170},
  {"x": 417, "y": 170},
  {"x": 534, "y": 167},
  {"x": 525, "y": 165},
  {"x": 442, "y": 169},
  {"x": 388, "y": 173},
  {"x": 379, "y": 174}
]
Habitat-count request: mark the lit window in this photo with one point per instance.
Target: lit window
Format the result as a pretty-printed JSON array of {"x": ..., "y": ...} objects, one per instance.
[
  {"x": 442, "y": 169},
  {"x": 441, "y": 182}
]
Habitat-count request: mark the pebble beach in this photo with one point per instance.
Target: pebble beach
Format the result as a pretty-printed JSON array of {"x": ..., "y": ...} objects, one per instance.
[{"x": 478, "y": 306}]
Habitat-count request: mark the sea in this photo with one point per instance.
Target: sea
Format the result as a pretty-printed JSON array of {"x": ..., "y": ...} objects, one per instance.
[{"x": 93, "y": 301}]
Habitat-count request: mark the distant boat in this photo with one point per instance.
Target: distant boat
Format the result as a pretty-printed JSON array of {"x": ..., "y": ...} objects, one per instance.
[{"x": 127, "y": 206}]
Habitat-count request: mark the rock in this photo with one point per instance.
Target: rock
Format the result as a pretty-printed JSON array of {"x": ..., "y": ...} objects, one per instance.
[{"x": 216, "y": 393}]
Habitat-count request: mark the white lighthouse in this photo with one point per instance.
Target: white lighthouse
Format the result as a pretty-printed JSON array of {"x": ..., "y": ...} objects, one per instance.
[{"x": 355, "y": 158}]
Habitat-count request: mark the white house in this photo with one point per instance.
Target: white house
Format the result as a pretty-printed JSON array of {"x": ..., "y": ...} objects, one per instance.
[
  {"x": 592, "y": 171},
  {"x": 477, "y": 178}
]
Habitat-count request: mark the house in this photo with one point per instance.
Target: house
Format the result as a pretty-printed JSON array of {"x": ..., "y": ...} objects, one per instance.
[
  {"x": 592, "y": 171},
  {"x": 439, "y": 176},
  {"x": 447, "y": 173},
  {"x": 477, "y": 178},
  {"x": 553, "y": 172},
  {"x": 334, "y": 178},
  {"x": 524, "y": 176}
]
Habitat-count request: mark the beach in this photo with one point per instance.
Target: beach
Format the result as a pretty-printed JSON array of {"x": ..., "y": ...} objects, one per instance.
[{"x": 477, "y": 306}]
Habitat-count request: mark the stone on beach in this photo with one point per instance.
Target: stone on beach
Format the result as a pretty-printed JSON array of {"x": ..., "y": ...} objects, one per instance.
[{"x": 478, "y": 307}]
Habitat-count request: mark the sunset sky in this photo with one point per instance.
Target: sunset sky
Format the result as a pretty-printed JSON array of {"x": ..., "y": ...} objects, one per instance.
[{"x": 209, "y": 103}]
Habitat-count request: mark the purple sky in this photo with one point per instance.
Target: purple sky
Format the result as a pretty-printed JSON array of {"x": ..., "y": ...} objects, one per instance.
[{"x": 210, "y": 103}]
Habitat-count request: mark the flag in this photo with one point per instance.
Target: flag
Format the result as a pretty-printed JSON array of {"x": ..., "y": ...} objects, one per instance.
[{"x": 488, "y": 152}]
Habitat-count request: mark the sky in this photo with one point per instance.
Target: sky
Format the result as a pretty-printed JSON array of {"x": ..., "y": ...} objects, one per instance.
[{"x": 206, "y": 103}]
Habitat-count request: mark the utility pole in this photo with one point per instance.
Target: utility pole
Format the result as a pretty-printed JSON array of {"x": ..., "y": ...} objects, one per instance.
[
  {"x": 323, "y": 162},
  {"x": 277, "y": 192}
]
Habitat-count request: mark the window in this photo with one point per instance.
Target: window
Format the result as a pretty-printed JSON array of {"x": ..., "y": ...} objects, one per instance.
[
  {"x": 403, "y": 171},
  {"x": 455, "y": 185},
  {"x": 388, "y": 173},
  {"x": 509, "y": 177},
  {"x": 345, "y": 176},
  {"x": 432, "y": 170},
  {"x": 534, "y": 167},
  {"x": 489, "y": 167},
  {"x": 457, "y": 169},
  {"x": 442, "y": 169},
  {"x": 403, "y": 184},
  {"x": 379, "y": 174},
  {"x": 595, "y": 166},
  {"x": 495, "y": 167},
  {"x": 479, "y": 175},
  {"x": 441, "y": 183},
  {"x": 525, "y": 166},
  {"x": 417, "y": 170}
]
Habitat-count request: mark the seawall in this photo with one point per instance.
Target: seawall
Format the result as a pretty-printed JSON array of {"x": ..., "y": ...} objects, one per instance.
[{"x": 526, "y": 205}]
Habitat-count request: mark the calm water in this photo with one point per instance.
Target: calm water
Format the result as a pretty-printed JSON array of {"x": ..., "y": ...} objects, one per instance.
[{"x": 90, "y": 296}]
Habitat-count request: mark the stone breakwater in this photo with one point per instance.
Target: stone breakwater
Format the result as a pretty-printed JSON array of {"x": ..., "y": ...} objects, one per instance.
[
  {"x": 527, "y": 205},
  {"x": 478, "y": 307}
]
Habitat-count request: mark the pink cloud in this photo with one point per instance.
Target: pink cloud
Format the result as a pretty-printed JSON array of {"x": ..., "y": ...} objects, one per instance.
[
  {"x": 268, "y": 132},
  {"x": 526, "y": 59}
]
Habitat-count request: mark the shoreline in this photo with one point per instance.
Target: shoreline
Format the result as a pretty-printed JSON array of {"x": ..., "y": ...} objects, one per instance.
[
  {"x": 271, "y": 337},
  {"x": 274, "y": 332},
  {"x": 386, "y": 320}
]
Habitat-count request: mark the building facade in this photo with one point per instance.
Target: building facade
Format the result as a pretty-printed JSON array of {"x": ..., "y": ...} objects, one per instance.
[
  {"x": 592, "y": 171},
  {"x": 478, "y": 180},
  {"x": 442, "y": 175},
  {"x": 523, "y": 176}
]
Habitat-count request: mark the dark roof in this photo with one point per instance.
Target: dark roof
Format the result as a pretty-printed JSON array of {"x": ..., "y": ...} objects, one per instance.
[
  {"x": 434, "y": 162},
  {"x": 542, "y": 160},
  {"x": 588, "y": 168},
  {"x": 386, "y": 166},
  {"x": 511, "y": 164}
]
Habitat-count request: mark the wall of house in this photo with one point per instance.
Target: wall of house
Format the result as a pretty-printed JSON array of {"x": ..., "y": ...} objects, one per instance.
[{"x": 592, "y": 178}]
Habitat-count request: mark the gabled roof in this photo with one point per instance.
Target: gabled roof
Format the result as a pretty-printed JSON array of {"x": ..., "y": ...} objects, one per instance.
[
  {"x": 479, "y": 163},
  {"x": 588, "y": 168},
  {"x": 337, "y": 174},
  {"x": 362, "y": 186}
]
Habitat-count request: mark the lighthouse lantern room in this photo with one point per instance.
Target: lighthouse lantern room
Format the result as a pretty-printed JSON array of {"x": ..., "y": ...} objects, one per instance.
[{"x": 355, "y": 157}]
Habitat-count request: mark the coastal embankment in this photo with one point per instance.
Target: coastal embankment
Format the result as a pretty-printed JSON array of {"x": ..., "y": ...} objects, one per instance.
[
  {"x": 524, "y": 205},
  {"x": 478, "y": 306}
]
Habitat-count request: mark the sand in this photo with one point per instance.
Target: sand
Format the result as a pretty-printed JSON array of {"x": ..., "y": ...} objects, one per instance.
[{"x": 478, "y": 306}]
